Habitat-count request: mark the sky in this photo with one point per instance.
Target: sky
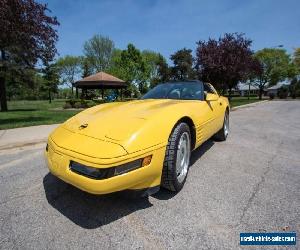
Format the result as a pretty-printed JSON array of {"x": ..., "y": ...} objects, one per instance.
[{"x": 166, "y": 26}]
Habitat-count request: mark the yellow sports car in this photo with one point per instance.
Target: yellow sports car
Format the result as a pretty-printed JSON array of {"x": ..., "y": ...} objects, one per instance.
[{"x": 139, "y": 145}]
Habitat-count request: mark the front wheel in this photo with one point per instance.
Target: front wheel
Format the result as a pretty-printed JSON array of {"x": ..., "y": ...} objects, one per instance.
[
  {"x": 222, "y": 134},
  {"x": 177, "y": 158}
]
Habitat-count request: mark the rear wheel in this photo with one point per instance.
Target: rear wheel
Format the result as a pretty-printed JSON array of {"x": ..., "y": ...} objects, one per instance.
[
  {"x": 177, "y": 158},
  {"x": 224, "y": 131}
]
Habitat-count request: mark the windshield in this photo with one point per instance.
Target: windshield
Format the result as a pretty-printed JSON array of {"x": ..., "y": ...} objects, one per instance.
[{"x": 178, "y": 90}]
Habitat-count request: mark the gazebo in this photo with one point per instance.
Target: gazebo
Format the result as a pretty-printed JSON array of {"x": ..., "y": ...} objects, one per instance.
[{"x": 100, "y": 80}]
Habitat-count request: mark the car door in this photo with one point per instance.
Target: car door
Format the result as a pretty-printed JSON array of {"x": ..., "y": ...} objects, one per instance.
[
  {"x": 219, "y": 111},
  {"x": 215, "y": 109},
  {"x": 203, "y": 116}
]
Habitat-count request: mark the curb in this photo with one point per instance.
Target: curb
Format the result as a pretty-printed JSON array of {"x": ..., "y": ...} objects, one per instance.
[
  {"x": 26, "y": 136},
  {"x": 248, "y": 105},
  {"x": 18, "y": 145}
]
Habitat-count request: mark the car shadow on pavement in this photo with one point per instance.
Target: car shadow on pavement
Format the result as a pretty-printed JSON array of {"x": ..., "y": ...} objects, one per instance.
[
  {"x": 197, "y": 153},
  {"x": 164, "y": 194},
  {"x": 87, "y": 210},
  {"x": 93, "y": 211}
]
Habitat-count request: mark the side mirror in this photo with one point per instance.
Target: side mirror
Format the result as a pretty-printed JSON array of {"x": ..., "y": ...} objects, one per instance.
[{"x": 211, "y": 97}]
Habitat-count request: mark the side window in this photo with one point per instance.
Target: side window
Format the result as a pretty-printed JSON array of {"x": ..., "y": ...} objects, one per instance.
[
  {"x": 213, "y": 89},
  {"x": 208, "y": 89}
]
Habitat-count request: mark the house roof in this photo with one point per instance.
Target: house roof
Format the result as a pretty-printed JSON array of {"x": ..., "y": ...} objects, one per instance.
[
  {"x": 245, "y": 86},
  {"x": 100, "y": 80},
  {"x": 280, "y": 84}
]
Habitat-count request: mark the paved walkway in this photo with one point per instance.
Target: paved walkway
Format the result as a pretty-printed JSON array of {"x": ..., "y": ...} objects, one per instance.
[{"x": 18, "y": 137}]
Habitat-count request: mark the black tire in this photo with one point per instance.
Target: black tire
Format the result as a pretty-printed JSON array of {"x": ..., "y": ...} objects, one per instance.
[
  {"x": 169, "y": 176},
  {"x": 221, "y": 135}
]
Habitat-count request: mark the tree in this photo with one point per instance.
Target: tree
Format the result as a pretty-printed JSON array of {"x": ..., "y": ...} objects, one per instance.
[
  {"x": 69, "y": 69},
  {"x": 22, "y": 84},
  {"x": 115, "y": 67},
  {"x": 99, "y": 50},
  {"x": 294, "y": 88},
  {"x": 86, "y": 67},
  {"x": 130, "y": 66},
  {"x": 27, "y": 34},
  {"x": 296, "y": 60},
  {"x": 155, "y": 66},
  {"x": 163, "y": 72},
  {"x": 183, "y": 65},
  {"x": 276, "y": 66},
  {"x": 51, "y": 79},
  {"x": 283, "y": 92},
  {"x": 224, "y": 62}
]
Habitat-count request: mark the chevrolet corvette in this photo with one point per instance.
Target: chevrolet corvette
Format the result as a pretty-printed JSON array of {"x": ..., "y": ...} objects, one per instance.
[{"x": 139, "y": 145}]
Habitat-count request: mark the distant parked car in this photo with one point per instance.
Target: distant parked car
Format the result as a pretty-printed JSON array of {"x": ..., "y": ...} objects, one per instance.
[{"x": 111, "y": 98}]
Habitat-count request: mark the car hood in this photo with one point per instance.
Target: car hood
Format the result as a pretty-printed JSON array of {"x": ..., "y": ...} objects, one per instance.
[{"x": 120, "y": 122}]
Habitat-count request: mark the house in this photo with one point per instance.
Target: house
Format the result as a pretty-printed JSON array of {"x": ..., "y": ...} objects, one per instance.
[
  {"x": 243, "y": 89},
  {"x": 274, "y": 89}
]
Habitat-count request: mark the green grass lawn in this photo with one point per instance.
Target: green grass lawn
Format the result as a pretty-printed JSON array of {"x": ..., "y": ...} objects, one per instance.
[
  {"x": 30, "y": 113},
  {"x": 238, "y": 101}
]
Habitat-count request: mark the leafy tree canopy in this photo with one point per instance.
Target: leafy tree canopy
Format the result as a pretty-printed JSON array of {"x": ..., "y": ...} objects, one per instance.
[
  {"x": 139, "y": 69},
  {"x": 69, "y": 69},
  {"x": 99, "y": 51},
  {"x": 86, "y": 67},
  {"x": 51, "y": 79},
  {"x": 130, "y": 66},
  {"x": 183, "y": 65},
  {"x": 296, "y": 59},
  {"x": 226, "y": 61},
  {"x": 154, "y": 65},
  {"x": 27, "y": 34},
  {"x": 276, "y": 65}
]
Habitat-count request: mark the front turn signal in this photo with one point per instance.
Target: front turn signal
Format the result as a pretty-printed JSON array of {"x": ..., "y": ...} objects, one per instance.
[{"x": 147, "y": 160}]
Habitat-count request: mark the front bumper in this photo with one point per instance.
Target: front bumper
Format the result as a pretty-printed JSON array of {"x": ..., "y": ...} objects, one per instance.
[{"x": 58, "y": 161}]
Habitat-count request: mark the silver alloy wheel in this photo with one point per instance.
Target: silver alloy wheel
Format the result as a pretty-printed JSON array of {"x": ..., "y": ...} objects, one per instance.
[
  {"x": 183, "y": 156},
  {"x": 226, "y": 124}
]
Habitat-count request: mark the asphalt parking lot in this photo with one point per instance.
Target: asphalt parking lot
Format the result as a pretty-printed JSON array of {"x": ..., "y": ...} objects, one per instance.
[{"x": 250, "y": 183}]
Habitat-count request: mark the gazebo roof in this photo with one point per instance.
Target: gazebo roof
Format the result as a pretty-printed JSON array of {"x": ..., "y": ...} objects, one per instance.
[{"x": 100, "y": 80}]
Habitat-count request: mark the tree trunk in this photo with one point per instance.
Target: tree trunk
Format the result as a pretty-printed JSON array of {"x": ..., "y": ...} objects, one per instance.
[
  {"x": 2, "y": 85},
  {"x": 229, "y": 94},
  {"x": 3, "y": 94},
  {"x": 249, "y": 92},
  {"x": 49, "y": 96},
  {"x": 261, "y": 90},
  {"x": 223, "y": 89}
]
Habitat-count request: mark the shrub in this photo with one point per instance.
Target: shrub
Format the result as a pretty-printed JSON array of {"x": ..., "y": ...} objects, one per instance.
[
  {"x": 271, "y": 96},
  {"x": 129, "y": 99},
  {"x": 67, "y": 106},
  {"x": 294, "y": 88},
  {"x": 72, "y": 102},
  {"x": 97, "y": 101},
  {"x": 84, "y": 103},
  {"x": 77, "y": 105},
  {"x": 251, "y": 95},
  {"x": 283, "y": 92},
  {"x": 233, "y": 95}
]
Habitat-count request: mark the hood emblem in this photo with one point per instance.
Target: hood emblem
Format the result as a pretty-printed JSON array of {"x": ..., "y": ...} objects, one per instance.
[{"x": 83, "y": 126}]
